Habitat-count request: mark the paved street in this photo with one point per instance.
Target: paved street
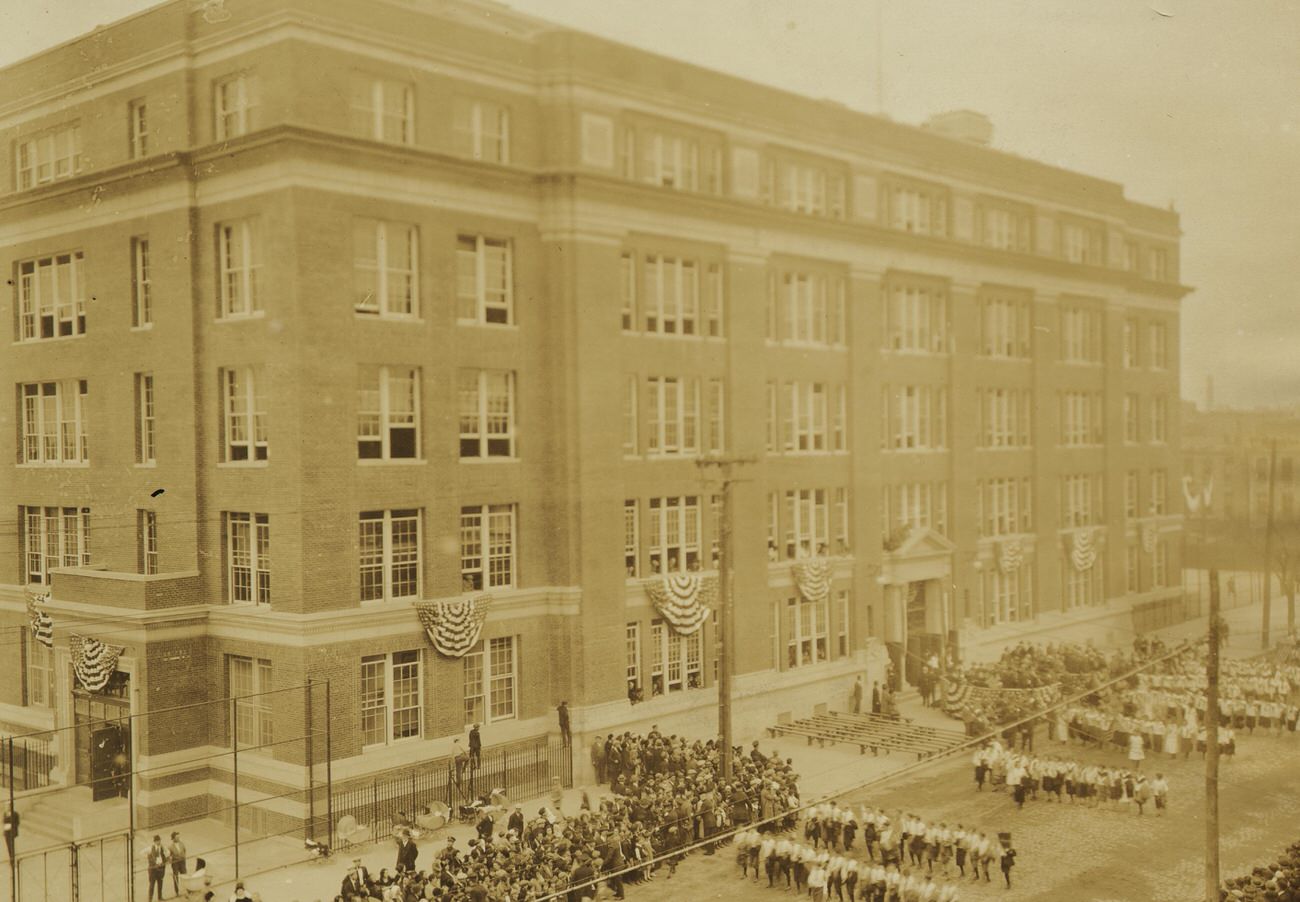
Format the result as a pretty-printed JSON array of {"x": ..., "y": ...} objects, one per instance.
[{"x": 1075, "y": 853}]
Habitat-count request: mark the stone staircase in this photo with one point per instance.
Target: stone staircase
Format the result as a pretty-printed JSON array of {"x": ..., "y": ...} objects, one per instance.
[{"x": 67, "y": 814}]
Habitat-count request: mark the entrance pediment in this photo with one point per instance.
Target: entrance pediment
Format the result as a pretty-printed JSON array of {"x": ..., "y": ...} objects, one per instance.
[{"x": 924, "y": 554}]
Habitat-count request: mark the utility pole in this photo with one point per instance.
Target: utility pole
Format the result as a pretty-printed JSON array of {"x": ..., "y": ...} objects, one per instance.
[
  {"x": 726, "y": 631},
  {"x": 1212, "y": 748},
  {"x": 1268, "y": 548}
]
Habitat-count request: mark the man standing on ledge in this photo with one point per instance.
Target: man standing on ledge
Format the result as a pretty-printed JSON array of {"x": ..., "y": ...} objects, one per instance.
[{"x": 563, "y": 713}]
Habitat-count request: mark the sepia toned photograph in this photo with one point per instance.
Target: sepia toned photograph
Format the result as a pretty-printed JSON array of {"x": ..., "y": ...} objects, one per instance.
[{"x": 551, "y": 450}]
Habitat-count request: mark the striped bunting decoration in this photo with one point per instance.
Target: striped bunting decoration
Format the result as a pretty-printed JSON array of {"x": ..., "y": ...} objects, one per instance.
[
  {"x": 42, "y": 623},
  {"x": 683, "y": 599},
  {"x": 93, "y": 662},
  {"x": 1082, "y": 552},
  {"x": 955, "y": 694},
  {"x": 1010, "y": 555},
  {"x": 813, "y": 579},
  {"x": 454, "y": 627},
  {"x": 1149, "y": 536}
]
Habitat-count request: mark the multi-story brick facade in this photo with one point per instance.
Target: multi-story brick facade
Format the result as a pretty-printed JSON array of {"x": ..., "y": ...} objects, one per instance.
[{"x": 399, "y": 301}]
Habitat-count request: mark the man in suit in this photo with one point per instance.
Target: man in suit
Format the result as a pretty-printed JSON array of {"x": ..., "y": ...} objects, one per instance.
[
  {"x": 612, "y": 853},
  {"x": 583, "y": 873},
  {"x": 357, "y": 883},
  {"x": 475, "y": 748},
  {"x": 157, "y": 860},
  {"x": 563, "y": 713},
  {"x": 407, "y": 852},
  {"x": 516, "y": 821}
]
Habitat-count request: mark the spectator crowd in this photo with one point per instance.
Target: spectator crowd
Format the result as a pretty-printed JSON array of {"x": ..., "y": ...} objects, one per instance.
[{"x": 1278, "y": 881}]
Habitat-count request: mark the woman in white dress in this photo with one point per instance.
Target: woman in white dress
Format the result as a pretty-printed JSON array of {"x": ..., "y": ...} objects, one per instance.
[
  {"x": 1136, "y": 751},
  {"x": 1171, "y": 740}
]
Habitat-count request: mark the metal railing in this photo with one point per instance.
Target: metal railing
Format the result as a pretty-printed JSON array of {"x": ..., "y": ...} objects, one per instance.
[{"x": 31, "y": 766}]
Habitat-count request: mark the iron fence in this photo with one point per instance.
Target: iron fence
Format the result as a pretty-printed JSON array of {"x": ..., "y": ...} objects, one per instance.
[
  {"x": 91, "y": 870},
  {"x": 522, "y": 770},
  {"x": 32, "y": 762}
]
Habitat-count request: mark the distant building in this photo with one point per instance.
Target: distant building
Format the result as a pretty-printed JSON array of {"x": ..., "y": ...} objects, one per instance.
[
  {"x": 400, "y": 302},
  {"x": 1231, "y": 449}
]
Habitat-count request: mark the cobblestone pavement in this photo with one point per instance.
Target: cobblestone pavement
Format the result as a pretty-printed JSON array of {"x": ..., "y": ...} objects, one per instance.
[{"x": 1075, "y": 853}]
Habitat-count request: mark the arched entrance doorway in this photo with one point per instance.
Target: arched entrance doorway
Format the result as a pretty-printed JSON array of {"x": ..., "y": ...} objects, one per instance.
[{"x": 103, "y": 726}]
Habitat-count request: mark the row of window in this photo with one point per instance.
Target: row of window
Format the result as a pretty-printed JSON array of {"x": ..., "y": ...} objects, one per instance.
[
  {"x": 684, "y": 415},
  {"x": 807, "y": 417},
  {"x": 667, "y": 295}
]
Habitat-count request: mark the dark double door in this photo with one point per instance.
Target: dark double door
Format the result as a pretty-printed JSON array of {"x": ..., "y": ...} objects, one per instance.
[{"x": 104, "y": 738}]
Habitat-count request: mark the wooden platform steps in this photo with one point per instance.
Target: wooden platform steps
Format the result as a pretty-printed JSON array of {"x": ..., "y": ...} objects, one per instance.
[{"x": 871, "y": 731}]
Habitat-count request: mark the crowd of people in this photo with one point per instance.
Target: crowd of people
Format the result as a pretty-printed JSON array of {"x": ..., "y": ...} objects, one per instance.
[
  {"x": 1062, "y": 780},
  {"x": 901, "y": 858},
  {"x": 667, "y": 795},
  {"x": 1278, "y": 881}
]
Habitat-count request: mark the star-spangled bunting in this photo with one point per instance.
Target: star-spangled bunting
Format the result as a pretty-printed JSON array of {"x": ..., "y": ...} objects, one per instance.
[
  {"x": 1149, "y": 537},
  {"x": 454, "y": 627},
  {"x": 42, "y": 623},
  {"x": 813, "y": 578},
  {"x": 93, "y": 662},
  {"x": 1083, "y": 553},
  {"x": 1010, "y": 555},
  {"x": 683, "y": 599}
]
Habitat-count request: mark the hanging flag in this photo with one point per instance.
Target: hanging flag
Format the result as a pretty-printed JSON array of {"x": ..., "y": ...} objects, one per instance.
[
  {"x": 1083, "y": 553},
  {"x": 93, "y": 662},
  {"x": 1010, "y": 555},
  {"x": 42, "y": 623},
  {"x": 454, "y": 627},
  {"x": 683, "y": 599},
  {"x": 813, "y": 579}
]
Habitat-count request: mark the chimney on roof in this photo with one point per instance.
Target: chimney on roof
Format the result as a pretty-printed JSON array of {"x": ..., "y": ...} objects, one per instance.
[{"x": 962, "y": 125}]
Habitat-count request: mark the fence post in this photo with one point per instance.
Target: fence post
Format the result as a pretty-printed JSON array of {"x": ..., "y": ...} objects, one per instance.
[{"x": 374, "y": 806}]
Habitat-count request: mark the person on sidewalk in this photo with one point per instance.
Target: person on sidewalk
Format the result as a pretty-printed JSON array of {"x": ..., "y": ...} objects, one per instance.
[
  {"x": 157, "y": 866},
  {"x": 176, "y": 853},
  {"x": 856, "y": 697},
  {"x": 598, "y": 759}
]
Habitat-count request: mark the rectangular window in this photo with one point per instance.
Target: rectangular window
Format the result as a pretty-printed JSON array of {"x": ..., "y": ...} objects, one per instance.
[
  {"x": 1132, "y": 503},
  {"x": 919, "y": 210},
  {"x": 1158, "y": 335},
  {"x": 674, "y": 534},
  {"x": 631, "y": 538},
  {"x": 250, "y": 687},
  {"x": 243, "y": 422},
  {"x": 482, "y": 130},
  {"x": 714, "y": 418},
  {"x": 1005, "y": 416},
  {"x": 674, "y": 415},
  {"x": 1159, "y": 419},
  {"x": 917, "y": 417},
  {"x": 671, "y": 298},
  {"x": 1158, "y": 264},
  {"x": 1132, "y": 569},
  {"x": 388, "y": 413},
  {"x": 51, "y": 297},
  {"x": 141, "y": 287},
  {"x": 235, "y": 103},
  {"x": 1005, "y": 228},
  {"x": 1082, "y": 416},
  {"x": 916, "y": 319},
  {"x": 1082, "y": 243},
  {"x": 49, "y": 156},
  {"x": 487, "y": 547},
  {"x": 680, "y": 162},
  {"x": 842, "y": 622},
  {"x": 839, "y": 418},
  {"x": 916, "y": 505},
  {"x": 239, "y": 258},
  {"x": 1005, "y": 506},
  {"x": 40, "y": 673},
  {"x": 54, "y": 423},
  {"x": 1081, "y": 500},
  {"x": 627, "y": 290},
  {"x": 248, "y": 557},
  {"x": 147, "y": 527},
  {"x": 840, "y": 521},
  {"x": 484, "y": 280},
  {"x": 490, "y": 681},
  {"x": 385, "y": 268},
  {"x": 1081, "y": 335},
  {"x": 487, "y": 413},
  {"x": 675, "y": 661},
  {"x": 1132, "y": 343},
  {"x": 1160, "y": 565},
  {"x": 53, "y": 537},
  {"x": 1159, "y": 493},
  {"x": 807, "y": 523},
  {"x": 630, "y": 446},
  {"x": 811, "y": 309},
  {"x": 391, "y": 698},
  {"x": 807, "y": 625},
  {"x": 1006, "y": 327},
  {"x": 145, "y": 420},
  {"x": 773, "y": 418},
  {"x": 383, "y": 110},
  {"x": 1132, "y": 408},
  {"x": 809, "y": 188},
  {"x": 712, "y": 301},
  {"x": 389, "y": 558},
  {"x": 632, "y": 646},
  {"x": 1082, "y": 587},
  {"x": 138, "y": 114}
]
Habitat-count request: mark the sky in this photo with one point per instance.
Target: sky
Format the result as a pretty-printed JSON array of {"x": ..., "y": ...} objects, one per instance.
[{"x": 1194, "y": 103}]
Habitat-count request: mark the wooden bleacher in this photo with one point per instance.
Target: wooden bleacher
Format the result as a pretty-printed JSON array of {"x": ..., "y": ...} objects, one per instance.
[{"x": 871, "y": 731}]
